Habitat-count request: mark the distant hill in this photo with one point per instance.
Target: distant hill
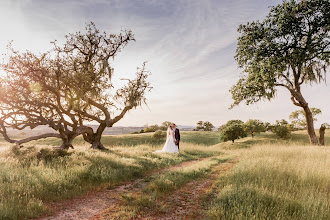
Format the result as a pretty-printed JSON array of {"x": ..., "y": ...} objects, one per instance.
[{"x": 186, "y": 128}]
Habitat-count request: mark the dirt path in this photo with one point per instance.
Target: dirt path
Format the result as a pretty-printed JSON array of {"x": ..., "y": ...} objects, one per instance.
[
  {"x": 92, "y": 203},
  {"x": 187, "y": 202},
  {"x": 184, "y": 203}
]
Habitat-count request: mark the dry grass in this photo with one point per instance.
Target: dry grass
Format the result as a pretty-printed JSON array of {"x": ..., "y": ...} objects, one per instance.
[
  {"x": 276, "y": 181},
  {"x": 31, "y": 177}
]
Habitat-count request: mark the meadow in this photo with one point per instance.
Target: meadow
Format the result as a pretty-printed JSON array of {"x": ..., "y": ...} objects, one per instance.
[
  {"x": 275, "y": 181},
  {"x": 274, "y": 178},
  {"x": 203, "y": 138}
]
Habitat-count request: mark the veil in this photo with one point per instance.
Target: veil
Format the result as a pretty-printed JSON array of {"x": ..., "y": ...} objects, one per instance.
[{"x": 168, "y": 131}]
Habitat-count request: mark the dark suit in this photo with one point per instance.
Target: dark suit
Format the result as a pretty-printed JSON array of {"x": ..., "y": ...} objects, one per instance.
[{"x": 177, "y": 137}]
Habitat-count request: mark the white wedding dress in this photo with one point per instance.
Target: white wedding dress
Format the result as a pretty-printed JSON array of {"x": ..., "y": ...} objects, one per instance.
[{"x": 169, "y": 146}]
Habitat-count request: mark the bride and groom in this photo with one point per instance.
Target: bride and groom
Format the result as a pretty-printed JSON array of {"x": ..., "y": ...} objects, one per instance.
[{"x": 172, "y": 141}]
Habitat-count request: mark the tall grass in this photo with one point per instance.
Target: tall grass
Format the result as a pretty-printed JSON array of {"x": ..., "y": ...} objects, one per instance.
[
  {"x": 276, "y": 179},
  {"x": 31, "y": 177},
  {"x": 276, "y": 182}
]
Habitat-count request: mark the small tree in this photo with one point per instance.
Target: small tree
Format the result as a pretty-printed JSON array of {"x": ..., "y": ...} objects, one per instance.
[
  {"x": 289, "y": 49},
  {"x": 281, "y": 128},
  {"x": 268, "y": 126},
  {"x": 151, "y": 128},
  {"x": 205, "y": 126},
  {"x": 254, "y": 126},
  {"x": 208, "y": 126},
  {"x": 232, "y": 130},
  {"x": 229, "y": 123},
  {"x": 159, "y": 135},
  {"x": 298, "y": 118},
  {"x": 200, "y": 125}
]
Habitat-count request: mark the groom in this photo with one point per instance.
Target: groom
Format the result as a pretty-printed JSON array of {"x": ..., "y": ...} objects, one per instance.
[{"x": 176, "y": 135}]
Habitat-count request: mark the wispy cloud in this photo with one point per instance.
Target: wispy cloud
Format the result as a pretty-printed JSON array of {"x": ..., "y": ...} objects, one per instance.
[{"x": 190, "y": 46}]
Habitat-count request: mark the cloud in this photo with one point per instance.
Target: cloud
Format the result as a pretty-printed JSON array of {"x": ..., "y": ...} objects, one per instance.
[{"x": 189, "y": 45}]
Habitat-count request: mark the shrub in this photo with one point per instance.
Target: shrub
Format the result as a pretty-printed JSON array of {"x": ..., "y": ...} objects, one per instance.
[
  {"x": 281, "y": 128},
  {"x": 151, "y": 128},
  {"x": 158, "y": 135},
  {"x": 281, "y": 131}
]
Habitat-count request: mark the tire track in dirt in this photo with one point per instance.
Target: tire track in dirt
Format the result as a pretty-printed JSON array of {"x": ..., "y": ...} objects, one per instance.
[
  {"x": 184, "y": 203},
  {"x": 90, "y": 204},
  {"x": 188, "y": 202}
]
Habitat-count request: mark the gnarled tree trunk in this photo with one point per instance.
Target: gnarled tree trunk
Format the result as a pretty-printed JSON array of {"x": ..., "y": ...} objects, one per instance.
[
  {"x": 66, "y": 144},
  {"x": 299, "y": 100},
  {"x": 310, "y": 125},
  {"x": 67, "y": 139},
  {"x": 94, "y": 138},
  {"x": 322, "y": 131}
]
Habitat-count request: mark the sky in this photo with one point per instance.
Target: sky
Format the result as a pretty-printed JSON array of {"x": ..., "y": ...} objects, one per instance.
[{"x": 189, "y": 46}]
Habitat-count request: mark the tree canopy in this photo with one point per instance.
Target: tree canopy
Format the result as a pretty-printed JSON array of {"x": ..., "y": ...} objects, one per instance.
[
  {"x": 254, "y": 126},
  {"x": 232, "y": 130},
  {"x": 298, "y": 118},
  {"x": 204, "y": 125},
  {"x": 68, "y": 86},
  {"x": 288, "y": 49}
]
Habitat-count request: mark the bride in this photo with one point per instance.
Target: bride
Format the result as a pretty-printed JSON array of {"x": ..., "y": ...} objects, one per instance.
[{"x": 170, "y": 146}]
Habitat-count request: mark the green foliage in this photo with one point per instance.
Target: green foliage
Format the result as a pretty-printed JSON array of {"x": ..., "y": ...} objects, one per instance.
[
  {"x": 268, "y": 126},
  {"x": 253, "y": 126},
  {"x": 289, "y": 48},
  {"x": 70, "y": 85},
  {"x": 208, "y": 126},
  {"x": 205, "y": 126},
  {"x": 155, "y": 127},
  {"x": 281, "y": 128},
  {"x": 159, "y": 135},
  {"x": 232, "y": 130},
  {"x": 298, "y": 118},
  {"x": 151, "y": 128},
  {"x": 230, "y": 123},
  {"x": 281, "y": 131},
  {"x": 199, "y": 125}
]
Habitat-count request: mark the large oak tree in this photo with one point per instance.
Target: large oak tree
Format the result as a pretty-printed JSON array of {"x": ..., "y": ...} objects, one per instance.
[
  {"x": 289, "y": 49},
  {"x": 70, "y": 86}
]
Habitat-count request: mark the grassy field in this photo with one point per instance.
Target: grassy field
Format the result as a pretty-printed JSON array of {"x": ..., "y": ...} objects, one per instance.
[
  {"x": 276, "y": 182},
  {"x": 29, "y": 178},
  {"x": 207, "y": 138},
  {"x": 275, "y": 178}
]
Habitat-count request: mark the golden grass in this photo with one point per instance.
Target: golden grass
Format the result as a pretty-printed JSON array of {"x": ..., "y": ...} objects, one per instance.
[
  {"x": 31, "y": 177},
  {"x": 275, "y": 181}
]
